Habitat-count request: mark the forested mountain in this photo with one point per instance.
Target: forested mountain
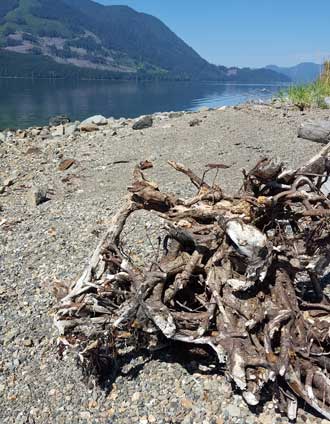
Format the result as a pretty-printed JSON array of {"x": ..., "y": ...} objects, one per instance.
[{"x": 104, "y": 41}]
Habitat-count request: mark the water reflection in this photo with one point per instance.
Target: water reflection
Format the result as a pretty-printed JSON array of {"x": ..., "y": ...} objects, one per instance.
[{"x": 25, "y": 103}]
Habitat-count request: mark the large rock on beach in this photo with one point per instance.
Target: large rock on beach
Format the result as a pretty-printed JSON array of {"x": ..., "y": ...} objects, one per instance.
[
  {"x": 88, "y": 127},
  {"x": 142, "y": 123},
  {"x": 96, "y": 120}
]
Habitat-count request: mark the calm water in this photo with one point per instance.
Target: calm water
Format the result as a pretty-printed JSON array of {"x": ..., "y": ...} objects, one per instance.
[{"x": 25, "y": 103}]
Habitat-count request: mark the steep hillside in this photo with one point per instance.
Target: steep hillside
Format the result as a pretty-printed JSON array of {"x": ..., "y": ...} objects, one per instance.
[
  {"x": 144, "y": 38},
  {"x": 110, "y": 39}
]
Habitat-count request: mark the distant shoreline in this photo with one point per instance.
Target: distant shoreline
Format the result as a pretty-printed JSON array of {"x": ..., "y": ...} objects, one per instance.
[{"x": 271, "y": 84}]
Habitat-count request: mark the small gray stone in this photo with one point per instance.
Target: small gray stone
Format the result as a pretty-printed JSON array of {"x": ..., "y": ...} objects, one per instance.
[
  {"x": 2, "y": 137},
  {"x": 37, "y": 196},
  {"x": 59, "y": 131},
  {"x": 71, "y": 129},
  {"x": 15, "y": 363},
  {"x": 142, "y": 123},
  {"x": 136, "y": 396},
  {"x": 9, "y": 181},
  {"x": 44, "y": 132},
  {"x": 28, "y": 342},
  {"x": 35, "y": 132},
  {"x": 85, "y": 415},
  {"x": 194, "y": 122},
  {"x": 234, "y": 411}
]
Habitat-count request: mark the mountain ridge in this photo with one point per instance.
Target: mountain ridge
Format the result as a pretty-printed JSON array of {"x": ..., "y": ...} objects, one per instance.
[
  {"x": 304, "y": 72},
  {"x": 108, "y": 40}
]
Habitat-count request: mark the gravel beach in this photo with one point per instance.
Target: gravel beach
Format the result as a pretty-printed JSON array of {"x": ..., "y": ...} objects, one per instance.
[{"x": 59, "y": 187}]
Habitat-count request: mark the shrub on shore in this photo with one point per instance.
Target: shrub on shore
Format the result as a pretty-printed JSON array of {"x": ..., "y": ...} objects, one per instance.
[{"x": 310, "y": 95}]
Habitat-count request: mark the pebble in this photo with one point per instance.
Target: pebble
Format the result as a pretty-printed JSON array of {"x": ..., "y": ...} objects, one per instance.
[
  {"x": 187, "y": 403},
  {"x": 37, "y": 196},
  {"x": 85, "y": 415},
  {"x": 44, "y": 133},
  {"x": 71, "y": 129},
  {"x": 195, "y": 122},
  {"x": 58, "y": 132},
  {"x": 35, "y": 132},
  {"x": 266, "y": 419},
  {"x": 28, "y": 342},
  {"x": 234, "y": 411},
  {"x": 7, "y": 182},
  {"x": 136, "y": 397}
]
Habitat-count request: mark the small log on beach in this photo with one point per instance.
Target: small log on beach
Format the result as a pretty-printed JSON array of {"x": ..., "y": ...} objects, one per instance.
[{"x": 318, "y": 131}]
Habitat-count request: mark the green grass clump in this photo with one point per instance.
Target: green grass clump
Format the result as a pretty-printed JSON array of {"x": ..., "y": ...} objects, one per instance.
[{"x": 309, "y": 95}]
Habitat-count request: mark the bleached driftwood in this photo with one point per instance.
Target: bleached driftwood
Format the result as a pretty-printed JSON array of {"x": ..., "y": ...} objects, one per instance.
[
  {"x": 242, "y": 275},
  {"x": 318, "y": 131}
]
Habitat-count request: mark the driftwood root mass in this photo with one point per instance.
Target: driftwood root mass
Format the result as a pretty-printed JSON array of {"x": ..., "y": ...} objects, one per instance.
[{"x": 244, "y": 275}]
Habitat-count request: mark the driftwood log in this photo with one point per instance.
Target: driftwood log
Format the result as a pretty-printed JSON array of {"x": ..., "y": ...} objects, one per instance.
[
  {"x": 318, "y": 131},
  {"x": 244, "y": 275}
]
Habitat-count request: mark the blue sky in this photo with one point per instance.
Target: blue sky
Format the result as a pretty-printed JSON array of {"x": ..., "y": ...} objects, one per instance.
[{"x": 246, "y": 32}]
